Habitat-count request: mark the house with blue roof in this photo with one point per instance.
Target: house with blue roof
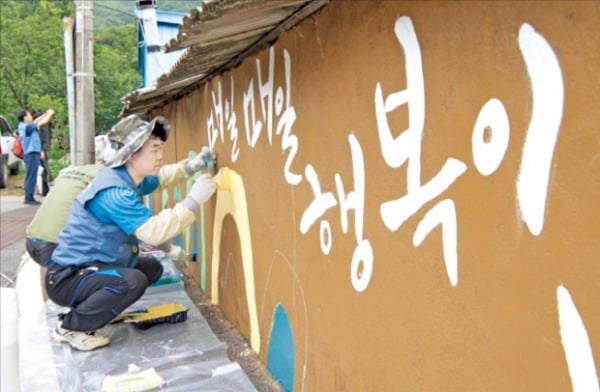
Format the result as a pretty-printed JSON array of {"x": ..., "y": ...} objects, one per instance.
[{"x": 155, "y": 29}]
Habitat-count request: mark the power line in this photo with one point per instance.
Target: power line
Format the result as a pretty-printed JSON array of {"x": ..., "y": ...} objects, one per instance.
[{"x": 113, "y": 9}]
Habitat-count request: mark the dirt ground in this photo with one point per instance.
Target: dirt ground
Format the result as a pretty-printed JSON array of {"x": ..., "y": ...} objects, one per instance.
[{"x": 238, "y": 348}]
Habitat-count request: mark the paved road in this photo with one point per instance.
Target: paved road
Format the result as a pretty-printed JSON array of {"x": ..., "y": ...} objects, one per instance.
[{"x": 14, "y": 218}]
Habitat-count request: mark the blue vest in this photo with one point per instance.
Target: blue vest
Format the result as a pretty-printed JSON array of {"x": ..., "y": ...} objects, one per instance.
[
  {"x": 85, "y": 240},
  {"x": 31, "y": 143}
]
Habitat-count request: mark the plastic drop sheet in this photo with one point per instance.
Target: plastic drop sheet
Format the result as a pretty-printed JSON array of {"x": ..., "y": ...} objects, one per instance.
[{"x": 187, "y": 355}]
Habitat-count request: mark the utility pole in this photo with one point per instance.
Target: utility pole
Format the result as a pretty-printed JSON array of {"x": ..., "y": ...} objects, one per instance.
[
  {"x": 68, "y": 25},
  {"x": 84, "y": 83}
]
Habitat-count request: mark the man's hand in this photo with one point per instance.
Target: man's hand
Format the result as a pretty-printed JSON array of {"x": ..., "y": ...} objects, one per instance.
[
  {"x": 206, "y": 159},
  {"x": 203, "y": 189},
  {"x": 44, "y": 118}
]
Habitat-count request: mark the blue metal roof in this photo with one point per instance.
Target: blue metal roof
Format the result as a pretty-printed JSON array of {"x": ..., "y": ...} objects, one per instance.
[{"x": 168, "y": 23}]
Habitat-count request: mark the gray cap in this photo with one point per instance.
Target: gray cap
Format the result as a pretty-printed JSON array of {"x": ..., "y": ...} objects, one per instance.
[{"x": 128, "y": 136}]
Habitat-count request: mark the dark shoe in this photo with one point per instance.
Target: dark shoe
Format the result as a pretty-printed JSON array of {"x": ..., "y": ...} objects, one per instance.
[{"x": 32, "y": 202}]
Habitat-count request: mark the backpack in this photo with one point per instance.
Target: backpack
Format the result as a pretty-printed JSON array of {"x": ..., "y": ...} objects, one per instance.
[{"x": 17, "y": 148}]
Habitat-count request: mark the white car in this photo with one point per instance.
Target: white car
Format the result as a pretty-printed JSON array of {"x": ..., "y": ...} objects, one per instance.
[
  {"x": 13, "y": 164},
  {"x": 3, "y": 168}
]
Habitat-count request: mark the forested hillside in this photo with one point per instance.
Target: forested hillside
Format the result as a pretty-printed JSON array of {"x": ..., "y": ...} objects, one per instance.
[{"x": 120, "y": 12}]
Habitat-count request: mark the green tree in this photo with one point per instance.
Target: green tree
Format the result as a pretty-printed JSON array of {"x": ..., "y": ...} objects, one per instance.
[
  {"x": 32, "y": 66},
  {"x": 115, "y": 66},
  {"x": 31, "y": 57}
]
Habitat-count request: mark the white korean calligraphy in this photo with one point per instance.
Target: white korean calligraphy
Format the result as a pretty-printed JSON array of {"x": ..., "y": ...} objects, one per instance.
[
  {"x": 548, "y": 95},
  {"x": 407, "y": 148},
  {"x": 490, "y": 137},
  {"x": 361, "y": 266}
]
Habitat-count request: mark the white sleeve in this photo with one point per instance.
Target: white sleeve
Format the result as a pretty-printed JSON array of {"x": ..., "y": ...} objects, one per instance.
[
  {"x": 172, "y": 173},
  {"x": 165, "y": 225}
]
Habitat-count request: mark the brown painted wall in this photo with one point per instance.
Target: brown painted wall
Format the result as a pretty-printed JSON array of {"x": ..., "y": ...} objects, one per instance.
[{"x": 521, "y": 196}]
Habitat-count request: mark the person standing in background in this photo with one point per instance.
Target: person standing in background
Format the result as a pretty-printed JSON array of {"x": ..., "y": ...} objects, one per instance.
[
  {"x": 32, "y": 146},
  {"x": 46, "y": 175}
]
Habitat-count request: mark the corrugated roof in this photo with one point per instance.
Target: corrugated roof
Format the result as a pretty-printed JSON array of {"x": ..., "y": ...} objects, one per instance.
[{"x": 218, "y": 36}]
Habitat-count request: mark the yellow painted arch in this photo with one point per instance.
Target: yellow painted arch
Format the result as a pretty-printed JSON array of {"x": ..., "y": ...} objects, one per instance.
[{"x": 231, "y": 199}]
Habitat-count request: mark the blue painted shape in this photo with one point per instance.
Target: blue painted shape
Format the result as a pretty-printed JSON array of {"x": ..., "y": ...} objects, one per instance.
[
  {"x": 176, "y": 194},
  {"x": 280, "y": 357},
  {"x": 195, "y": 242},
  {"x": 149, "y": 202},
  {"x": 178, "y": 240}
]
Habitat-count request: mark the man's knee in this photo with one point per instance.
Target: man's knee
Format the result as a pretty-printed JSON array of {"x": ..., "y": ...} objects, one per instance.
[
  {"x": 150, "y": 267},
  {"x": 136, "y": 281}
]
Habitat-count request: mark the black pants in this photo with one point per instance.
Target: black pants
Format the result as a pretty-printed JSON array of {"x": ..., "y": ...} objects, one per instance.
[
  {"x": 98, "y": 293},
  {"x": 46, "y": 176}
]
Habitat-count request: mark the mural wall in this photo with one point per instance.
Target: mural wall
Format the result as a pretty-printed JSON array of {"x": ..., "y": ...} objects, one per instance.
[{"x": 409, "y": 197}]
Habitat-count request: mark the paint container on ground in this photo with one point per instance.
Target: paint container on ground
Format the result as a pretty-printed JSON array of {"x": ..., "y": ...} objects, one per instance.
[{"x": 9, "y": 361}]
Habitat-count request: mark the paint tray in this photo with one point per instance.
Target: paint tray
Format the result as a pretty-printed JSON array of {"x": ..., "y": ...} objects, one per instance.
[{"x": 145, "y": 318}]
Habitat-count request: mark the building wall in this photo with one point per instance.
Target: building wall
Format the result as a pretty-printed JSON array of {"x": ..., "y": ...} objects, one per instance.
[{"x": 409, "y": 197}]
